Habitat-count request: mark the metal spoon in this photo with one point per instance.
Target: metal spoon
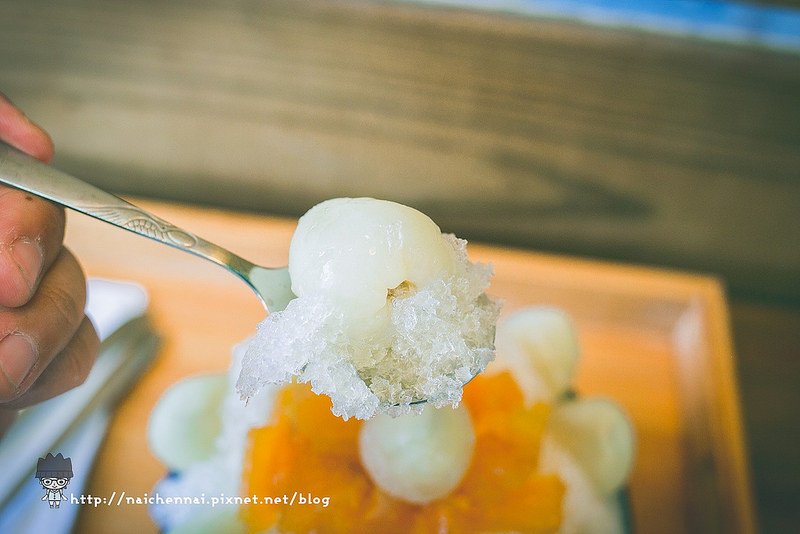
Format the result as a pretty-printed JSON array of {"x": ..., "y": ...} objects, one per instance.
[
  {"x": 272, "y": 285},
  {"x": 17, "y": 169}
]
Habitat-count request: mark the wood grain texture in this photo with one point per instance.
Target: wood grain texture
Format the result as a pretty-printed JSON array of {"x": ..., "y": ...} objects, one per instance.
[
  {"x": 767, "y": 340},
  {"x": 655, "y": 341},
  {"x": 536, "y": 134}
]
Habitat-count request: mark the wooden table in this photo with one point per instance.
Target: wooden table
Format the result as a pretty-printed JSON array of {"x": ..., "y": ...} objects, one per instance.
[
  {"x": 656, "y": 341},
  {"x": 540, "y": 134}
]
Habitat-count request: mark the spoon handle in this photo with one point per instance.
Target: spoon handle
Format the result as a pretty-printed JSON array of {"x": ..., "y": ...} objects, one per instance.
[{"x": 24, "y": 172}]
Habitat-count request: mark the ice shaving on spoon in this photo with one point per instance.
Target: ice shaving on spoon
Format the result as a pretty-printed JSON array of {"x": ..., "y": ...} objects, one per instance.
[{"x": 389, "y": 312}]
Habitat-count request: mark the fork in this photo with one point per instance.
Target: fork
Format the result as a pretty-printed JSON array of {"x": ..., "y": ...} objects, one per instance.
[{"x": 272, "y": 286}]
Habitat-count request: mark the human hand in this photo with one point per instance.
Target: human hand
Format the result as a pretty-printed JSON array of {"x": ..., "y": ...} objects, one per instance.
[{"x": 47, "y": 344}]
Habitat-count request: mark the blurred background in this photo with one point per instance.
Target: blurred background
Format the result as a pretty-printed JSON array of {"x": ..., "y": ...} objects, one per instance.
[{"x": 657, "y": 133}]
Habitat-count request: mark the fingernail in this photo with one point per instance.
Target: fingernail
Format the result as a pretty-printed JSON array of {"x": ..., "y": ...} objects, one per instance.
[
  {"x": 28, "y": 257},
  {"x": 17, "y": 358}
]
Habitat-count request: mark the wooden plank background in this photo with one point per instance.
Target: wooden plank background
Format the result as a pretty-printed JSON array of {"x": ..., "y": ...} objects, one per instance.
[{"x": 539, "y": 134}]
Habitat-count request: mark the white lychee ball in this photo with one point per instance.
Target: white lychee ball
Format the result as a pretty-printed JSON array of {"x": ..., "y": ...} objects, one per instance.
[
  {"x": 540, "y": 348},
  {"x": 599, "y": 435},
  {"x": 418, "y": 458},
  {"x": 186, "y": 421},
  {"x": 355, "y": 250}
]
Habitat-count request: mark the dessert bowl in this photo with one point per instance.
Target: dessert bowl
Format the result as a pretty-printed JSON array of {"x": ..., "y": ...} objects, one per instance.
[{"x": 542, "y": 458}]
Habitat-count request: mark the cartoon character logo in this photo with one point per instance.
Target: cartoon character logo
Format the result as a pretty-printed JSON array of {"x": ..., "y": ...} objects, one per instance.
[{"x": 54, "y": 473}]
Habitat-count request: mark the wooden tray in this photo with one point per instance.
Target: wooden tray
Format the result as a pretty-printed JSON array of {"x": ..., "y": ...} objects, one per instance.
[{"x": 658, "y": 342}]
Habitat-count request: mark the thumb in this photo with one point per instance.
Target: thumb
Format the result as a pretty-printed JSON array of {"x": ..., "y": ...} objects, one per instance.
[{"x": 19, "y": 131}]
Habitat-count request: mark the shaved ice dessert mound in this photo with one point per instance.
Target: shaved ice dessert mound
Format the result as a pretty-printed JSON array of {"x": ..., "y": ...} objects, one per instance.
[
  {"x": 389, "y": 312},
  {"x": 511, "y": 458}
]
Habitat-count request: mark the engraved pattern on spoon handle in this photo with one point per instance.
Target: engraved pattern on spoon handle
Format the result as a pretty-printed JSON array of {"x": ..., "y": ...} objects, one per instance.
[{"x": 137, "y": 220}]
